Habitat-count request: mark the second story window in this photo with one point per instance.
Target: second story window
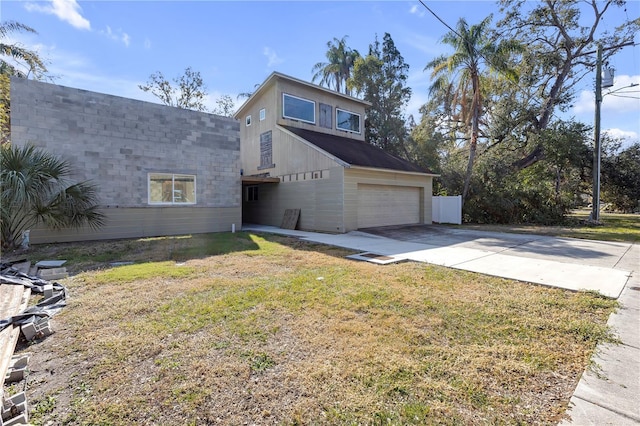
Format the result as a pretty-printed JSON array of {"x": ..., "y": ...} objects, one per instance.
[
  {"x": 298, "y": 109},
  {"x": 348, "y": 121}
]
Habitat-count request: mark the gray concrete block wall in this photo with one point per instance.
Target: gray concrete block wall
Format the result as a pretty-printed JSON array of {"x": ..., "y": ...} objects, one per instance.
[{"x": 116, "y": 142}]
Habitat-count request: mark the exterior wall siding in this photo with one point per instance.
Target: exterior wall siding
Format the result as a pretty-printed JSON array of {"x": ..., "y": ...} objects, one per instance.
[
  {"x": 284, "y": 160},
  {"x": 145, "y": 222},
  {"x": 354, "y": 176},
  {"x": 320, "y": 202},
  {"x": 115, "y": 142}
]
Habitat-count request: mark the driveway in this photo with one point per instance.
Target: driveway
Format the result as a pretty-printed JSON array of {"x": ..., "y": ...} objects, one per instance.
[
  {"x": 567, "y": 263},
  {"x": 623, "y": 256}
]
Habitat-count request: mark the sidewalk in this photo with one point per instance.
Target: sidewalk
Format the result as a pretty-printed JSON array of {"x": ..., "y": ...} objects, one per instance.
[{"x": 609, "y": 395}]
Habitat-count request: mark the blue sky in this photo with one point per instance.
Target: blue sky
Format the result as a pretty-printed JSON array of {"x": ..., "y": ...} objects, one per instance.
[{"x": 113, "y": 46}]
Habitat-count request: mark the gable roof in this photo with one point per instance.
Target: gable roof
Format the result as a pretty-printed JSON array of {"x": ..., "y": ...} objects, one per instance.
[{"x": 355, "y": 152}]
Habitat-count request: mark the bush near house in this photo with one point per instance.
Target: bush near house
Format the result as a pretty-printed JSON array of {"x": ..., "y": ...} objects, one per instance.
[{"x": 35, "y": 188}]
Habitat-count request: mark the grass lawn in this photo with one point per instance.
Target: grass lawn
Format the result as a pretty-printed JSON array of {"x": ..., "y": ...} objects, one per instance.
[
  {"x": 242, "y": 328},
  {"x": 613, "y": 227}
]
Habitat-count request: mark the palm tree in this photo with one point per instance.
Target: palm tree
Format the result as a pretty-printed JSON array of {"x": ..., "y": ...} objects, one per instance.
[
  {"x": 34, "y": 189},
  {"x": 337, "y": 71},
  {"x": 461, "y": 76},
  {"x": 35, "y": 66}
]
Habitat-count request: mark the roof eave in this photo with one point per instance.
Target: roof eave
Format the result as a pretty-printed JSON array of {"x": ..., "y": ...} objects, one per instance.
[{"x": 394, "y": 170}]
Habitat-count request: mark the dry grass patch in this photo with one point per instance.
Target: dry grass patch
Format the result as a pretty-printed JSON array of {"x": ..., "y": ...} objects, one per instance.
[{"x": 275, "y": 331}]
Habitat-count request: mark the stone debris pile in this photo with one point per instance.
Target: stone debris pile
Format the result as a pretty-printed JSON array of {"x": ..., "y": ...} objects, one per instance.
[{"x": 18, "y": 280}]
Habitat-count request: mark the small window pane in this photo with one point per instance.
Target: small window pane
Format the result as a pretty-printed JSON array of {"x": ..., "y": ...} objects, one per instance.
[
  {"x": 248, "y": 120},
  {"x": 348, "y": 121},
  {"x": 263, "y": 114},
  {"x": 298, "y": 108},
  {"x": 165, "y": 188}
]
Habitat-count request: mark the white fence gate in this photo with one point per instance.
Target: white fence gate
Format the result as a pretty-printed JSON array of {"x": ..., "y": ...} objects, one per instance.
[{"x": 447, "y": 209}]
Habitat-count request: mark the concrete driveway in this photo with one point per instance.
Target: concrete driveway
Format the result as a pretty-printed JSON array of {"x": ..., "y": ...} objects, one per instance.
[{"x": 567, "y": 263}]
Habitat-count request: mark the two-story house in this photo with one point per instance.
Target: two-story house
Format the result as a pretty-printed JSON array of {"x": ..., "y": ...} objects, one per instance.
[{"x": 302, "y": 147}]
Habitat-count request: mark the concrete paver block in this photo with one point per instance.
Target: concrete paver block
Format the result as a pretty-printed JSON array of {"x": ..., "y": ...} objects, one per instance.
[
  {"x": 14, "y": 406},
  {"x": 53, "y": 273},
  {"x": 37, "y": 329},
  {"x": 47, "y": 290},
  {"x": 17, "y": 369}
]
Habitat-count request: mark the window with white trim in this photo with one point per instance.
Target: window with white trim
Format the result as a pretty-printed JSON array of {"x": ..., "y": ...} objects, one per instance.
[
  {"x": 297, "y": 108},
  {"x": 263, "y": 114},
  {"x": 168, "y": 188},
  {"x": 247, "y": 120},
  {"x": 347, "y": 121}
]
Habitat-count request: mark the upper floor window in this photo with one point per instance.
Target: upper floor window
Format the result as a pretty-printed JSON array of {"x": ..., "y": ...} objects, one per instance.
[
  {"x": 167, "y": 188},
  {"x": 263, "y": 114},
  {"x": 247, "y": 120},
  {"x": 348, "y": 121},
  {"x": 298, "y": 108}
]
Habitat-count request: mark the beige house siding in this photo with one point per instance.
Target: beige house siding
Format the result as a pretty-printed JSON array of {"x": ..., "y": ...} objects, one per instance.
[
  {"x": 147, "y": 222},
  {"x": 320, "y": 201},
  {"x": 290, "y": 155},
  {"x": 357, "y": 175},
  {"x": 285, "y": 159}
]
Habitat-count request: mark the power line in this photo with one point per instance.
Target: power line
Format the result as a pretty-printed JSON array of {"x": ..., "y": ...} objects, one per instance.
[
  {"x": 628, "y": 97},
  {"x": 439, "y": 19}
]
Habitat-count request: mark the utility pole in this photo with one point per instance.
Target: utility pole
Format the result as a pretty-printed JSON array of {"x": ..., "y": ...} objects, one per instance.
[
  {"x": 595, "y": 212},
  {"x": 595, "y": 203}
]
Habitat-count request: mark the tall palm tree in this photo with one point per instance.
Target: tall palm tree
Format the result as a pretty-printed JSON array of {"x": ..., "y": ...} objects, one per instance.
[
  {"x": 461, "y": 74},
  {"x": 337, "y": 71},
  {"x": 34, "y": 189},
  {"x": 35, "y": 66}
]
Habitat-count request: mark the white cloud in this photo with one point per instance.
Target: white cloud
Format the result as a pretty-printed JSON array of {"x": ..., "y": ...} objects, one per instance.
[
  {"x": 117, "y": 35},
  {"x": 620, "y": 98},
  {"x": 415, "y": 10},
  {"x": 627, "y": 135},
  {"x": 66, "y": 10},
  {"x": 272, "y": 57}
]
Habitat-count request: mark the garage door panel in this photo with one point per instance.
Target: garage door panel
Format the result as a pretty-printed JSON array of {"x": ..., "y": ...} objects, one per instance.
[{"x": 383, "y": 205}]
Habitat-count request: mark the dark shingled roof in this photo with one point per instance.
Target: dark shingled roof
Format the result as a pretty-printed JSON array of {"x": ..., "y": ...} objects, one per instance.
[{"x": 355, "y": 152}]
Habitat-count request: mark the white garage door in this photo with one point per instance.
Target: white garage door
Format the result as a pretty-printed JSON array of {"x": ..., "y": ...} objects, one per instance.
[{"x": 382, "y": 205}]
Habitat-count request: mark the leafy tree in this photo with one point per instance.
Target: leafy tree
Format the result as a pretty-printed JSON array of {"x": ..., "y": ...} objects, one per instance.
[
  {"x": 5, "y": 109},
  {"x": 621, "y": 177},
  {"x": 189, "y": 92},
  {"x": 337, "y": 70},
  {"x": 224, "y": 106},
  {"x": 561, "y": 39},
  {"x": 542, "y": 193},
  {"x": 34, "y": 189},
  {"x": 460, "y": 75},
  {"x": 381, "y": 77},
  {"x": 16, "y": 60}
]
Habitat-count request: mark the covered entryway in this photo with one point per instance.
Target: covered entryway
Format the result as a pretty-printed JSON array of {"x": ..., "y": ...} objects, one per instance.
[{"x": 383, "y": 205}]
